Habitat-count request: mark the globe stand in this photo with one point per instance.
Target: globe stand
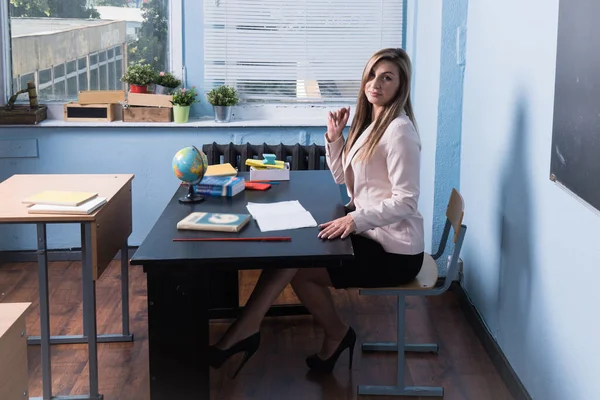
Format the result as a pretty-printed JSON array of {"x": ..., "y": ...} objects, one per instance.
[{"x": 191, "y": 196}]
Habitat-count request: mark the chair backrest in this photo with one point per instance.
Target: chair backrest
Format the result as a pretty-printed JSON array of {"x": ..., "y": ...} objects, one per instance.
[
  {"x": 454, "y": 217},
  {"x": 455, "y": 212}
]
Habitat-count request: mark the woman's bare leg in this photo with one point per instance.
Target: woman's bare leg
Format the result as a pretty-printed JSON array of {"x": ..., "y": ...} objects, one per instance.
[
  {"x": 270, "y": 284},
  {"x": 311, "y": 285}
]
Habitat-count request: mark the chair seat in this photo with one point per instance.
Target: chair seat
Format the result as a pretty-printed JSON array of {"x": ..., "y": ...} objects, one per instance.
[{"x": 425, "y": 280}]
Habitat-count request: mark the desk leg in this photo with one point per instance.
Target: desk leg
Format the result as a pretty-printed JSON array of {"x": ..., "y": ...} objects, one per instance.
[
  {"x": 44, "y": 311},
  {"x": 84, "y": 252},
  {"x": 126, "y": 335},
  {"x": 178, "y": 300},
  {"x": 89, "y": 309},
  {"x": 125, "y": 290}
]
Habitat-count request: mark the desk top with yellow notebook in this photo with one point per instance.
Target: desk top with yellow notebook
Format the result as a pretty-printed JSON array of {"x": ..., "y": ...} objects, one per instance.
[{"x": 18, "y": 191}]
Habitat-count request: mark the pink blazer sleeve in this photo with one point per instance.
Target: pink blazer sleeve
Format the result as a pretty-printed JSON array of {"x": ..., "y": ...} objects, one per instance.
[
  {"x": 333, "y": 155},
  {"x": 403, "y": 151}
]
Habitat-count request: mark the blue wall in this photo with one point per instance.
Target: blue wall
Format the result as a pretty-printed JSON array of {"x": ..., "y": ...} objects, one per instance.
[
  {"x": 531, "y": 253},
  {"x": 447, "y": 157}
]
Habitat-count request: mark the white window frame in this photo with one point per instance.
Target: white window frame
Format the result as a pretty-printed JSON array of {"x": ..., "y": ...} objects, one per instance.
[
  {"x": 55, "y": 109},
  {"x": 304, "y": 113},
  {"x": 5, "y": 54}
]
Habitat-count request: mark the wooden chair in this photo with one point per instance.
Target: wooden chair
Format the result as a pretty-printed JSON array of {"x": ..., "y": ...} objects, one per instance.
[{"x": 425, "y": 284}]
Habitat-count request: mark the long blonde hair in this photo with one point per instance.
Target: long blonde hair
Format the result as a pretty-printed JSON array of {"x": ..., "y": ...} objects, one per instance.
[{"x": 363, "y": 116}]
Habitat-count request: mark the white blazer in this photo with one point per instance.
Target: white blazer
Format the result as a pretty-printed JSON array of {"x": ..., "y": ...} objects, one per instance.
[{"x": 384, "y": 191}]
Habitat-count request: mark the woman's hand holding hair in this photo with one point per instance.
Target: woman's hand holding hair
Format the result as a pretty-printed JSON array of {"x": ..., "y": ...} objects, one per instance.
[
  {"x": 336, "y": 121},
  {"x": 343, "y": 227}
]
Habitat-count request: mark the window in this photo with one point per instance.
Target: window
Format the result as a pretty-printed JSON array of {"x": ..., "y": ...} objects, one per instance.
[
  {"x": 296, "y": 51},
  {"x": 65, "y": 46}
]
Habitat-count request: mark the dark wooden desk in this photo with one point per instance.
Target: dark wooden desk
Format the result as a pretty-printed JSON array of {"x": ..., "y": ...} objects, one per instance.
[{"x": 179, "y": 273}]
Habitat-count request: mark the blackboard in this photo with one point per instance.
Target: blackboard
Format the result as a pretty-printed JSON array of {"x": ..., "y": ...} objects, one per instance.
[{"x": 575, "y": 160}]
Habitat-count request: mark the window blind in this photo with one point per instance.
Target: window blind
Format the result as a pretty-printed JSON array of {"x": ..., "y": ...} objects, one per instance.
[{"x": 296, "y": 50}]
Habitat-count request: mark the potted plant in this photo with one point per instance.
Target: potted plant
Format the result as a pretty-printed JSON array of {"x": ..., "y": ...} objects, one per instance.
[
  {"x": 182, "y": 100},
  {"x": 222, "y": 98},
  {"x": 165, "y": 82},
  {"x": 139, "y": 76}
]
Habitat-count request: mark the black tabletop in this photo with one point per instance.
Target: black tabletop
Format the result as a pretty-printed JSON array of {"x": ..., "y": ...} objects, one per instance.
[{"x": 315, "y": 190}]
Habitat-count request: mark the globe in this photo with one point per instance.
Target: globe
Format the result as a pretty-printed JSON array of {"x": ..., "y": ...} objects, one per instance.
[{"x": 189, "y": 165}]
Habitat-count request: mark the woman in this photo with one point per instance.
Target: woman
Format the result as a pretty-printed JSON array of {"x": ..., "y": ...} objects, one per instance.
[{"x": 379, "y": 163}]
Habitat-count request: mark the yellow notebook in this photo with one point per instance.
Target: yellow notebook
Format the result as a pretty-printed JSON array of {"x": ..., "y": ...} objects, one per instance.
[
  {"x": 60, "y": 198},
  {"x": 221, "y": 170}
]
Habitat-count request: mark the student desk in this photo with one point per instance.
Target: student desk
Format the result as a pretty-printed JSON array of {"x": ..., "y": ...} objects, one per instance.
[
  {"x": 103, "y": 234},
  {"x": 179, "y": 273}
]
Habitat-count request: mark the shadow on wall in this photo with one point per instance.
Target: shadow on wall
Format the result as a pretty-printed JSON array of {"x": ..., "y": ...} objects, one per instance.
[
  {"x": 515, "y": 224},
  {"x": 516, "y": 330}
]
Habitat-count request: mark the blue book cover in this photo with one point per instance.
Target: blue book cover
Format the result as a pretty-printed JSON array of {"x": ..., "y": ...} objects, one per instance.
[
  {"x": 227, "y": 186},
  {"x": 220, "y": 181},
  {"x": 207, "y": 221}
]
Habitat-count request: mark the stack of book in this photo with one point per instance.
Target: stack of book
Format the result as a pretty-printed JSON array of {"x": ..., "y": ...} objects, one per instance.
[
  {"x": 225, "y": 186},
  {"x": 64, "y": 202}
]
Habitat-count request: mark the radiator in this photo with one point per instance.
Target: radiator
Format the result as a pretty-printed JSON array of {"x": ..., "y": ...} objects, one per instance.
[{"x": 307, "y": 157}]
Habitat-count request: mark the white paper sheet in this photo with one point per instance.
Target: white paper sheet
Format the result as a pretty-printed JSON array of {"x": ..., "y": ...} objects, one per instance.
[{"x": 281, "y": 215}]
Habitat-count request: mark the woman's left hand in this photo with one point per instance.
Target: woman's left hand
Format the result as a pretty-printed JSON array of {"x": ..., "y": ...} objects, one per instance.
[{"x": 343, "y": 226}]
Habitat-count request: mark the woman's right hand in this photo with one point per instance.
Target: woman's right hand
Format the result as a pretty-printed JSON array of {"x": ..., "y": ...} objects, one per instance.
[{"x": 336, "y": 121}]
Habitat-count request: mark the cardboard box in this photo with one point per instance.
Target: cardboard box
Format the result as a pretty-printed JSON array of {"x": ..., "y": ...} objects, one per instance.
[
  {"x": 147, "y": 114},
  {"x": 100, "y": 96},
  {"x": 257, "y": 174},
  {"x": 149, "y": 100},
  {"x": 91, "y": 112}
]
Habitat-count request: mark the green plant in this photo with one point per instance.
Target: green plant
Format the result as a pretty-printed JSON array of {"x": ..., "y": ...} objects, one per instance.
[
  {"x": 167, "y": 79},
  {"x": 222, "y": 96},
  {"x": 139, "y": 74},
  {"x": 184, "y": 97}
]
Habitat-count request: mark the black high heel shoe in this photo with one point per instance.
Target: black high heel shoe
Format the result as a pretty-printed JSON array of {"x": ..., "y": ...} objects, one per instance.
[
  {"x": 316, "y": 364},
  {"x": 249, "y": 346}
]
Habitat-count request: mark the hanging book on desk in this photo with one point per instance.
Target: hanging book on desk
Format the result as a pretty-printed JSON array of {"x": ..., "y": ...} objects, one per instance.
[
  {"x": 207, "y": 221},
  {"x": 60, "y": 198},
  {"x": 83, "y": 209}
]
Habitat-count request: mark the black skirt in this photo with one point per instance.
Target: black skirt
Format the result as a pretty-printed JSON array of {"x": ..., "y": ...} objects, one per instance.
[{"x": 373, "y": 267}]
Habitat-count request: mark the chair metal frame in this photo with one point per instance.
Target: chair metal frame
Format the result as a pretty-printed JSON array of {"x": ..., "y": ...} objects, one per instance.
[{"x": 400, "y": 389}]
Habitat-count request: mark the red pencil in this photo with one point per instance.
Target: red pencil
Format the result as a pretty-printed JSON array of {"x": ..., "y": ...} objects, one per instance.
[{"x": 248, "y": 239}]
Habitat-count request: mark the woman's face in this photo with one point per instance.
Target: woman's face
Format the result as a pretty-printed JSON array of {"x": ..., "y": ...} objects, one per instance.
[{"x": 383, "y": 83}]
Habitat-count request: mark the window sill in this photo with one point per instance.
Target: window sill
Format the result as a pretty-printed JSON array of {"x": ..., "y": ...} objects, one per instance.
[
  {"x": 206, "y": 122},
  {"x": 246, "y": 116}
]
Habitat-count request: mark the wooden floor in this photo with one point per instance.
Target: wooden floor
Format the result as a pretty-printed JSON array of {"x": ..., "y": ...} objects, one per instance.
[{"x": 277, "y": 371}]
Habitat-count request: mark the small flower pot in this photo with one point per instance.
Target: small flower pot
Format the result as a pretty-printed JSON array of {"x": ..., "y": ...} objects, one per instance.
[
  {"x": 222, "y": 113},
  {"x": 138, "y": 89},
  {"x": 160, "y": 89},
  {"x": 181, "y": 114}
]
